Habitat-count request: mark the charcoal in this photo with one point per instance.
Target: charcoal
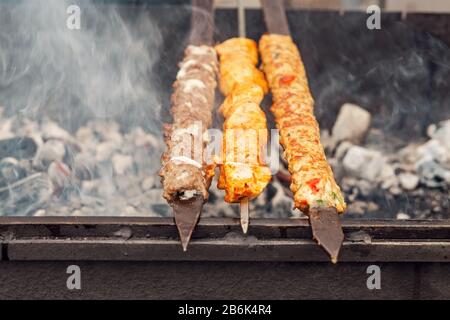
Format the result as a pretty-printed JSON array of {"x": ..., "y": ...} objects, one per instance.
[
  {"x": 363, "y": 163},
  {"x": 409, "y": 181},
  {"x": 60, "y": 175},
  {"x": 18, "y": 147},
  {"x": 26, "y": 195},
  {"x": 122, "y": 163},
  {"x": 352, "y": 124},
  {"x": 52, "y": 150},
  {"x": 84, "y": 166},
  {"x": 11, "y": 171}
]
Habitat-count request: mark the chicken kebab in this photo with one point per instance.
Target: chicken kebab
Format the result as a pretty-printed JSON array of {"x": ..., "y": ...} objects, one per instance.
[
  {"x": 313, "y": 185},
  {"x": 243, "y": 172}
]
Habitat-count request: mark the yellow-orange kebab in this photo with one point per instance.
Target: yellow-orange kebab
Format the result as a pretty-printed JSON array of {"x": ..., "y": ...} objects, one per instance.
[
  {"x": 313, "y": 183},
  {"x": 243, "y": 173}
]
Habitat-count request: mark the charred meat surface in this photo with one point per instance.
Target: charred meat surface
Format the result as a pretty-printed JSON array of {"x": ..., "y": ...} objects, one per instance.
[{"x": 184, "y": 171}]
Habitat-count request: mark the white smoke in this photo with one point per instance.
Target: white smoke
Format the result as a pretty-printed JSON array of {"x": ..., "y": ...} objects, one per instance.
[{"x": 102, "y": 70}]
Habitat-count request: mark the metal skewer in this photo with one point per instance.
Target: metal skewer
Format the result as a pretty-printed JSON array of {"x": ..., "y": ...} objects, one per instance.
[
  {"x": 325, "y": 224},
  {"x": 187, "y": 211},
  {"x": 244, "y": 204}
]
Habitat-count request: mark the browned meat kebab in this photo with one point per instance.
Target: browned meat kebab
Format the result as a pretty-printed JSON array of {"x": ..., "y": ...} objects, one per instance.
[{"x": 185, "y": 173}]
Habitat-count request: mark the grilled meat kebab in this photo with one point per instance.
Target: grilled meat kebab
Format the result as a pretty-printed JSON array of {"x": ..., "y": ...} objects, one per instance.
[
  {"x": 313, "y": 183},
  {"x": 243, "y": 172},
  {"x": 185, "y": 173}
]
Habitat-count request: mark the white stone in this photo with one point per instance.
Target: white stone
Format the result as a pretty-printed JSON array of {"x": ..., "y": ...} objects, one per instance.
[
  {"x": 363, "y": 163},
  {"x": 105, "y": 151},
  {"x": 40, "y": 213},
  {"x": 408, "y": 181},
  {"x": 148, "y": 183},
  {"x": 352, "y": 124},
  {"x": 357, "y": 207},
  {"x": 387, "y": 177},
  {"x": 442, "y": 134},
  {"x": 432, "y": 150},
  {"x": 52, "y": 150},
  {"x": 342, "y": 149},
  {"x": 51, "y": 130},
  {"x": 59, "y": 174},
  {"x": 402, "y": 216},
  {"x": 122, "y": 163}
]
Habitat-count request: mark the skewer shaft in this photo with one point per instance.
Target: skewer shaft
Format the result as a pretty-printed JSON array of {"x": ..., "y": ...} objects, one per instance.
[
  {"x": 241, "y": 18},
  {"x": 244, "y": 205},
  {"x": 324, "y": 220},
  {"x": 245, "y": 215}
]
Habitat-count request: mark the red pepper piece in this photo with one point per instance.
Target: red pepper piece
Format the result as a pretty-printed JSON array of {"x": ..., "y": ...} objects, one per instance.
[
  {"x": 313, "y": 184},
  {"x": 287, "y": 79}
]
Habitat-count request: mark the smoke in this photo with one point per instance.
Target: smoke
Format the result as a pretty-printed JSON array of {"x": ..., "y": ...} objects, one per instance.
[{"x": 103, "y": 70}]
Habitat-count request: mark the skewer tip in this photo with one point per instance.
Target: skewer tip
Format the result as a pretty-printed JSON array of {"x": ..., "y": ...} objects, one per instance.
[
  {"x": 244, "y": 215},
  {"x": 327, "y": 230},
  {"x": 187, "y": 213}
]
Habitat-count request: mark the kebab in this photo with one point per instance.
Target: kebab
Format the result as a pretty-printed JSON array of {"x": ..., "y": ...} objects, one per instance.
[
  {"x": 313, "y": 185},
  {"x": 186, "y": 174},
  {"x": 243, "y": 173}
]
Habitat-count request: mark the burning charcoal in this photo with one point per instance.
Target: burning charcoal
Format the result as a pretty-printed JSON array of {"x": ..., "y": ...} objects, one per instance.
[
  {"x": 395, "y": 190},
  {"x": 363, "y": 163},
  {"x": 122, "y": 163},
  {"x": 408, "y": 181},
  {"x": 40, "y": 213},
  {"x": 281, "y": 204},
  {"x": 162, "y": 209},
  {"x": 357, "y": 208},
  {"x": 152, "y": 200},
  {"x": 107, "y": 189},
  {"x": 6, "y": 129},
  {"x": 90, "y": 187},
  {"x": 442, "y": 134},
  {"x": 52, "y": 131},
  {"x": 104, "y": 151},
  {"x": 87, "y": 138},
  {"x": 77, "y": 213},
  {"x": 388, "y": 178},
  {"x": 108, "y": 131},
  {"x": 402, "y": 216},
  {"x": 337, "y": 168},
  {"x": 352, "y": 124},
  {"x": 220, "y": 209},
  {"x": 372, "y": 207},
  {"x": 84, "y": 166},
  {"x": 342, "y": 149},
  {"x": 433, "y": 174},
  {"x": 433, "y": 150},
  {"x": 144, "y": 139},
  {"x": 148, "y": 183},
  {"x": 365, "y": 188},
  {"x": 59, "y": 174},
  {"x": 130, "y": 211},
  {"x": 52, "y": 150},
  {"x": 11, "y": 171},
  {"x": 325, "y": 139},
  {"x": 26, "y": 195},
  {"x": 19, "y": 148}
]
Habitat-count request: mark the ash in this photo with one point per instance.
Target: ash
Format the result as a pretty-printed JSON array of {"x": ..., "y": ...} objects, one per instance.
[
  {"x": 102, "y": 170},
  {"x": 98, "y": 170},
  {"x": 381, "y": 176}
]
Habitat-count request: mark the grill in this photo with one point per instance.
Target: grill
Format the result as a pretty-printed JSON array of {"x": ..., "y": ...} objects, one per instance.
[{"x": 143, "y": 255}]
